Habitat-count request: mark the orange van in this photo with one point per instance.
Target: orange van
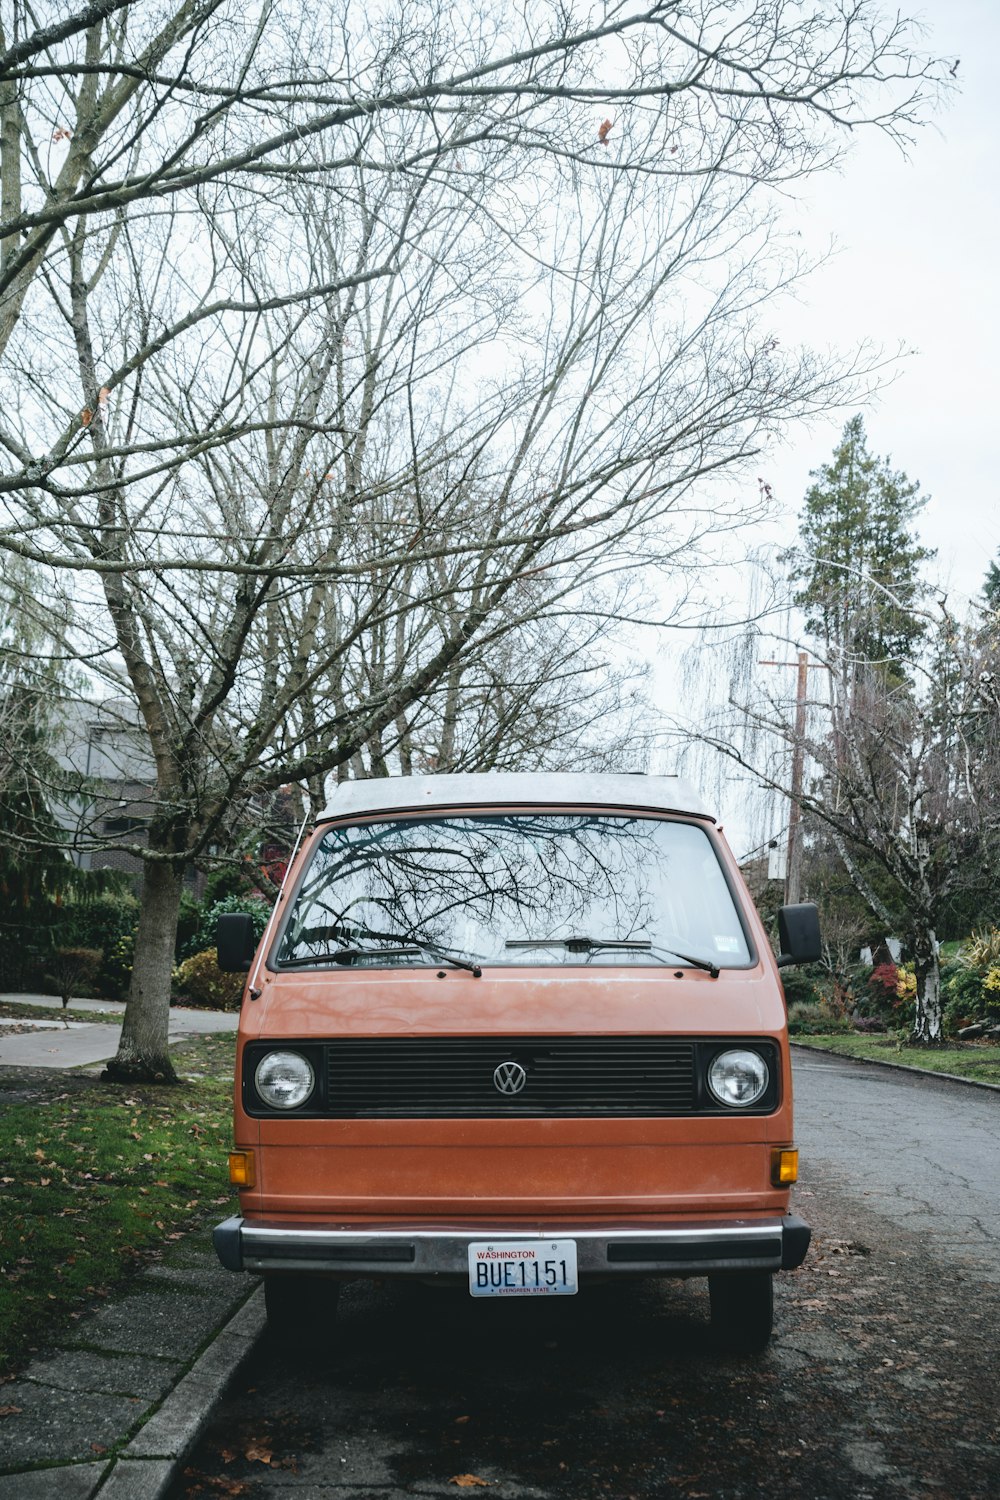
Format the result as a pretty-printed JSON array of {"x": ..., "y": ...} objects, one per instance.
[{"x": 518, "y": 1031}]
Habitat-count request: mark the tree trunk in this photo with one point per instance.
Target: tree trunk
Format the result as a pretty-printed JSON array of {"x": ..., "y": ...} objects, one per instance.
[
  {"x": 143, "y": 1054},
  {"x": 927, "y": 1015}
]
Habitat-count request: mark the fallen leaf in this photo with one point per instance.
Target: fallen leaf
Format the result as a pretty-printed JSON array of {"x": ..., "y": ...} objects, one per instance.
[
  {"x": 460, "y": 1420},
  {"x": 467, "y": 1481},
  {"x": 258, "y": 1453},
  {"x": 9, "y": 1411}
]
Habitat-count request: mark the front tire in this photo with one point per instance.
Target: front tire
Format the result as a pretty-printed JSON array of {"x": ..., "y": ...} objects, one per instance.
[{"x": 742, "y": 1310}]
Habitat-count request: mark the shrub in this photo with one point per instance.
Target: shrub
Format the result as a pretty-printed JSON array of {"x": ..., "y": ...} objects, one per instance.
[
  {"x": 868, "y": 1025},
  {"x": 800, "y": 988},
  {"x": 97, "y": 922},
  {"x": 229, "y": 880},
  {"x": 906, "y": 985},
  {"x": 891, "y": 991},
  {"x": 106, "y": 922},
  {"x": 201, "y": 982},
  {"x": 982, "y": 950},
  {"x": 73, "y": 971},
  {"x": 971, "y": 985},
  {"x": 188, "y": 922},
  {"x": 882, "y": 982},
  {"x": 967, "y": 999},
  {"x": 116, "y": 970},
  {"x": 808, "y": 1018},
  {"x": 252, "y": 906},
  {"x": 837, "y": 994}
]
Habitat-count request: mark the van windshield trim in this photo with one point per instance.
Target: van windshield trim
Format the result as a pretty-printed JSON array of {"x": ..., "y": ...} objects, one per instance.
[{"x": 660, "y": 847}]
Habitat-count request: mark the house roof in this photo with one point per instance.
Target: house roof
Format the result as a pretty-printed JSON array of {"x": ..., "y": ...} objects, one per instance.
[{"x": 522, "y": 788}]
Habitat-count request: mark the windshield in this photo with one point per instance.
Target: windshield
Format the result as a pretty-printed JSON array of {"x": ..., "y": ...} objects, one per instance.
[{"x": 514, "y": 889}]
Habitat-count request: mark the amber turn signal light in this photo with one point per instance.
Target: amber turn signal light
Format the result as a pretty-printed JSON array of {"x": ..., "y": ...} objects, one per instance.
[
  {"x": 241, "y": 1171},
  {"x": 784, "y": 1166}
]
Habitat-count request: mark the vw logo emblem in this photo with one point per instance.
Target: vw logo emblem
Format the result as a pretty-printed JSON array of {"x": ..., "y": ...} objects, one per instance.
[{"x": 509, "y": 1077}]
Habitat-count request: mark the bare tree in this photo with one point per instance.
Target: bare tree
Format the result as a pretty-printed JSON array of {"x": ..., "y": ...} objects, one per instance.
[
  {"x": 543, "y": 686},
  {"x": 348, "y": 359},
  {"x": 904, "y": 778},
  {"x": 119, "y": 116}
]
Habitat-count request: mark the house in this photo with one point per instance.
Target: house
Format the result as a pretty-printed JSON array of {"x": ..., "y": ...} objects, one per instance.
[{"x": 108, "y": 797}]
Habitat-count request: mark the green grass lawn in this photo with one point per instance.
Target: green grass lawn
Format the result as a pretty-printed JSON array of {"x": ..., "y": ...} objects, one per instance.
[
  {"x": 978, "y": 1060},
  {"x": 97, "y": 1179}
]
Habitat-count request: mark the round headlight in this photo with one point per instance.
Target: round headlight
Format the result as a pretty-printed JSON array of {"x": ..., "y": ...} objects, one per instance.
[
  {"x": 284, "y": 1079},
  {"x": 738, "y": 1078}
]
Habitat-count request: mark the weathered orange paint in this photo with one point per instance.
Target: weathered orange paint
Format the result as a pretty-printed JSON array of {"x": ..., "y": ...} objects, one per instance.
[{"x": 541, "y": 1172}]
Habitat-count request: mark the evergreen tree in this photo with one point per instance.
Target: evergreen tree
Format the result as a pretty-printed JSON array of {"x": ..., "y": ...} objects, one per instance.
[
  {"x": 858, "y": 559},
  {"x": 33, "y": 863}
]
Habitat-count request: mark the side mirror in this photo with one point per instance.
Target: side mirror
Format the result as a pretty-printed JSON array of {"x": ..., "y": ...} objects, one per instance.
[
  {"x": 798, "y": 934},
  {"x": 235, "y": 943}
]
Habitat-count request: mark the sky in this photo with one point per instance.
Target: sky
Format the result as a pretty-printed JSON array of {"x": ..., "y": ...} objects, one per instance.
[{"x": 917, "y": 264}]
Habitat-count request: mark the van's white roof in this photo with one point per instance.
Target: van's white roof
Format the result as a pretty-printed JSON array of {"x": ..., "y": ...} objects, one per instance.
[{"x": 506, "y": 788}]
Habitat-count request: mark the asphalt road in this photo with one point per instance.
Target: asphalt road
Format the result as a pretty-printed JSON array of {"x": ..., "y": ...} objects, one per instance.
[
  {"x": 880, "y": 1382},
  {"x": 923, "y": 1152}
]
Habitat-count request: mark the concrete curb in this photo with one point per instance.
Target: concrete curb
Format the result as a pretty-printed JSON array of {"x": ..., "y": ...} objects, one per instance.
[
  {"x": 147, "y": 1466},
  {"x": 878, "y": 1062}
]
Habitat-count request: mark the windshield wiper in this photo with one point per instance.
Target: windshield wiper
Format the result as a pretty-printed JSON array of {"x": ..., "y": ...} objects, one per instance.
[
  {"x": 349, "y": 954},
  {"x": 580, "y": 944},
  {"x": 696, "y": 963},
  {"x": 445, "y": 957},
  {"x": 584, "y": 944}
]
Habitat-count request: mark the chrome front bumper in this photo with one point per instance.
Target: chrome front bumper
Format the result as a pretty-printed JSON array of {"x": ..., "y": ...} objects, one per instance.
[{"x": 684, "y": 1249}]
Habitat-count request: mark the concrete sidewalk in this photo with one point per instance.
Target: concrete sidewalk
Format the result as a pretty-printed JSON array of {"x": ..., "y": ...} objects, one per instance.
[
  {"x": 111, "y": 1408},
  {"x": 81, "y": 1044}
]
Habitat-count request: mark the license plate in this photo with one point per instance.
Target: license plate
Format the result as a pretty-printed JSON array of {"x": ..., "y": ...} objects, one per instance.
[{"x": 523, "y": 1268}]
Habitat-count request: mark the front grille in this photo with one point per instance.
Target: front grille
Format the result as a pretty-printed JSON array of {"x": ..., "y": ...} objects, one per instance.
[{"x": 453, "y": 1077}]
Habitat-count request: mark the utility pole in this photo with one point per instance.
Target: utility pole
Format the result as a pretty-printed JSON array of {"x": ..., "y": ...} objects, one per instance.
[{"x": 793, "y": 867}]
